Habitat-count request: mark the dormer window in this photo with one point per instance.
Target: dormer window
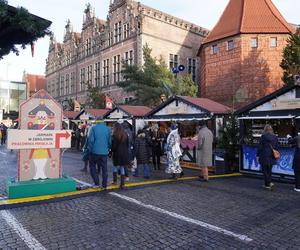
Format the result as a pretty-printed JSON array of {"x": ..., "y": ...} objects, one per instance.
[{"x": 215, "y": 49}]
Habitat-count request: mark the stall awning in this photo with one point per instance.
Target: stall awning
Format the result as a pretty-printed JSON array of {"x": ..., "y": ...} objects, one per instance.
[
  {"x": 175, "y": 119},
  {"x": 298, "y": 117},
  {"x": 266, "y": 117}
]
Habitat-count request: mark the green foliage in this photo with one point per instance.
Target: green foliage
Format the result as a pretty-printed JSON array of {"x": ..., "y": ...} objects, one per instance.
[
  {"x": 291, "y": 58},
  {"x": 19, "y": 27},
  {"x": 229, "y": 139},
  {"x": 184, "y": 85},
  {"x": 153, "y": 80},
  {"x": 96, "y": 99}
]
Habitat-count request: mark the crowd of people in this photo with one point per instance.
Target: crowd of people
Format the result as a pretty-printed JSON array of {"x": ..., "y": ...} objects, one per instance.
[{"x": 137, "y": 153}]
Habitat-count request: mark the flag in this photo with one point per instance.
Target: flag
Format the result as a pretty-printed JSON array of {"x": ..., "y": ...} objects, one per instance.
[
  {"x": 76, "y": 106},
  {"x": 32, "y": 49},
  {"x": 108, "y": 103}
]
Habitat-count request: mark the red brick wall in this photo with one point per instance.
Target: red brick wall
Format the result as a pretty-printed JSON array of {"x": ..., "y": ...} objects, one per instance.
[{"x": 244, "y": 74}]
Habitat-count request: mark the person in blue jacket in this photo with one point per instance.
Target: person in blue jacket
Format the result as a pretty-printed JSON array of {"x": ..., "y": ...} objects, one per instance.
[
  {"x": 99, "y": 144},
  {"x": 268, "y": 141}
]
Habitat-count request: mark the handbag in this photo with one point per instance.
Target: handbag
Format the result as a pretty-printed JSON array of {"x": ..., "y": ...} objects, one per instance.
[{"x": 276, "y": 153}]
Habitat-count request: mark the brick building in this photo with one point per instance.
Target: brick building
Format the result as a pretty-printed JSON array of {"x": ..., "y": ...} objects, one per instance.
[
  {"x": 240, "y": 57},
  {"x": 34, "y": 83},
  {"x": 95, "y": 55}
]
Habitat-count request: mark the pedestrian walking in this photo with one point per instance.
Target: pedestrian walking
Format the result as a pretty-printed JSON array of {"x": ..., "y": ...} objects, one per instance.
[
  {"x": 268, "y": 142},
  {"x": 78, "y": 138},
  {"x": 142, "y": 154},
  {"x": 296, "y": 161},
  {"x": 119, "y": 150},
  {"x": 204, "y": 149},
  {"x": 173, "y": 153},
  {"x": 85, "y": 156},
  {"x": 99, "y": 144},
  {"x": 129, "y": 133},
  {"x": 4, "y": 134},
  {"x": 156, "y": 146}
]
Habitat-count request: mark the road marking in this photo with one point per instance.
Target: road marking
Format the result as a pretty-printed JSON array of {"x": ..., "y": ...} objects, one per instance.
[
  {"x": 184, "y": 218},
  {"x": 2, "y": 153},
  {"x": 82, "y": 182},
  {"x": 27, "y": 237}
]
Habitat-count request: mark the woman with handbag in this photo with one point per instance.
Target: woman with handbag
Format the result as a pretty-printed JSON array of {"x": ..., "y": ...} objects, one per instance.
[{"x": 267, "y": 154}]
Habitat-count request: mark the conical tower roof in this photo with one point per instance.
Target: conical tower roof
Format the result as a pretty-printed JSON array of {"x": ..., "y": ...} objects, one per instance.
[{"x": 249, "y": 17}]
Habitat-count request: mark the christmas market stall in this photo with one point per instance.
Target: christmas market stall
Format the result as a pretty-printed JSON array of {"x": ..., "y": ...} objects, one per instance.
[
  {"x": 133, "y": 115},
  {"x": 280, "y": 109},
  {"x": 187, "y": 111}
]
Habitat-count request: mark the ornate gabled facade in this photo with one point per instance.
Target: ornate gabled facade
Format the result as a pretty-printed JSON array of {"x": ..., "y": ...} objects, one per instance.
[
  {"x": 94, "y": 56},
  {"x": 240, "y": 57}
]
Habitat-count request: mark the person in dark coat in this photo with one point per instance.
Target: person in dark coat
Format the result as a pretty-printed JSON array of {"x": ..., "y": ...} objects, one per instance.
[
  {"x": 296, "y": 161},
  {"x": 142, "y": 154},
  {"x": 156, "y": 147},
  {"x": 268, "y": 141},
  {"x": 126, "y": 128},
  {"x": 119, "y": 151}
]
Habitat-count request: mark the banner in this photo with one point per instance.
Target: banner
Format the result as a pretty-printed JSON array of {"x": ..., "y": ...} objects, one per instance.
[{"x": 108, "y": 103}]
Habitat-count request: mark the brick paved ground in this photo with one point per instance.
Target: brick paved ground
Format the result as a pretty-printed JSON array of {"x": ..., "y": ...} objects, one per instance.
[
  {"x": 270, "y": 218},
  {"x": 103, "y": 221}
]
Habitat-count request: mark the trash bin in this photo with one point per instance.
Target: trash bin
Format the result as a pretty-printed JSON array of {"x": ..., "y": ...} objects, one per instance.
[{"x": 220, "y": 161}]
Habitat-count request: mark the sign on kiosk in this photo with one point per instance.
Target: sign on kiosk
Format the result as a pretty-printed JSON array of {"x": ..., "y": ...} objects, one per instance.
[{"x": 30, "y": 139}]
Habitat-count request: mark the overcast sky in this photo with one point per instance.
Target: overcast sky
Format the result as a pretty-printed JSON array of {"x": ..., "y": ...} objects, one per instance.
[{"x": 201, "y": 12}]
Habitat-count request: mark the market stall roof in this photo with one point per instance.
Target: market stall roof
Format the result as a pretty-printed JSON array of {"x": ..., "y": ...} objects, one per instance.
[
  {"x": 188, "y": 108},
  {"x": 127, "y": 111},
  {"x": 71, "y": 114},
  {"x": 88, "y": 114},
  {"x": 285, "y": 102}
]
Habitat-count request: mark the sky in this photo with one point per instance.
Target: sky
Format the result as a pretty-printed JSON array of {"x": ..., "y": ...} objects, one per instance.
[{"x": 201, "y": 12}]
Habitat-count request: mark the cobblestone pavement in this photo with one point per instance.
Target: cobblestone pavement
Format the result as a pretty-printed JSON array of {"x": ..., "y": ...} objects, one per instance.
[{"x": 105, "y": 221}]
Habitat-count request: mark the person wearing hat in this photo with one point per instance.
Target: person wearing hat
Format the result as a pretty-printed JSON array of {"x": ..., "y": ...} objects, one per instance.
[
  {"x": 99, "y": 144},
  {"x": 173, "y": 153},
  {"x": 204, "y": 149}
]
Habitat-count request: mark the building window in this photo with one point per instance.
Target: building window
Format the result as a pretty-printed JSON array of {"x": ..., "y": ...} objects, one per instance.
[
  {"x": 88, "y": 46},
  {"x": 128, "y": 57},
  {"x": 116, "y": 68},
  {"x": 72, "y": 82},
  {"x": 254, "y": 42},
  {"x": 82, "y": 79},
  {"x": 62, "y": 85},
  {"x": 230, "y": 45},
  {"x": 126, "y": 30},
  {"x": 120, "y": 31},
  {"x": 67, "y": 84},
  {"x": 57, "y": 86},
  {"x": 106, "y": 72},
  {"x": 215, "y": 49},
  {"x": 173, "y": 61},
  {"x": 273, "y": 42},
  {"x": 128, "y": 99},
  {"x": 90, "y": 75},
  {"x": 97, "y": 74},
  {"x": 192, "y": 66}
]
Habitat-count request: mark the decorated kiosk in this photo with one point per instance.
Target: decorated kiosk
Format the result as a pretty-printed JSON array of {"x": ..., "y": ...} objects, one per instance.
[
  {"x": 187, "y": 111},
  {"x": 39, "y": 140},
  {"x": 280, "y": 109},
  {"x": 134, "y": 115}
]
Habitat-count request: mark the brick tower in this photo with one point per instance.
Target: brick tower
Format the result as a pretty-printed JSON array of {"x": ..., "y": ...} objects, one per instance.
[{"x": 240, "y": 57}]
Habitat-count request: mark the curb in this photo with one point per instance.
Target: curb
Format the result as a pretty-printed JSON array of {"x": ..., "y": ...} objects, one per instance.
[{"x": 22, "y": 202}]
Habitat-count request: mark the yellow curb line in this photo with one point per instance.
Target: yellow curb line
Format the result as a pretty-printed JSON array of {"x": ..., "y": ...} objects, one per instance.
[{"x": 94, "y": 190}]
